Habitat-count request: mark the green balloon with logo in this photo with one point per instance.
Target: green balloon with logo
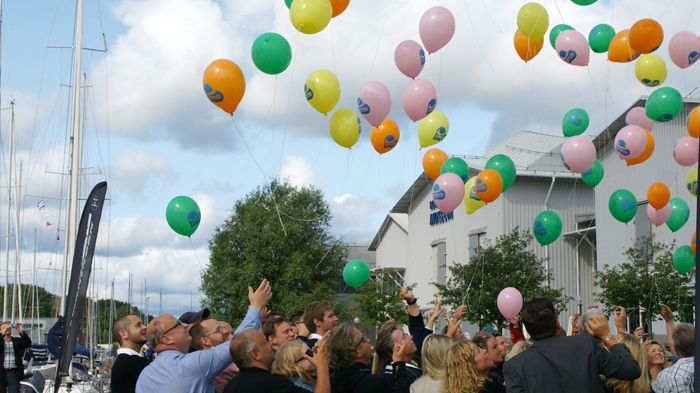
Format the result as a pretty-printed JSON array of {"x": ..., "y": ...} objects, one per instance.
[
  {"x": 623, "y": 205},
  {"x": 679, "y": 214},
  {"x": 547, "y": 227},
  {"x": 684, "y": 259},
  {"x": 183, "y": 215},
  {"x": 594, "y": 176},
  {"x": 457, "y": 166}
]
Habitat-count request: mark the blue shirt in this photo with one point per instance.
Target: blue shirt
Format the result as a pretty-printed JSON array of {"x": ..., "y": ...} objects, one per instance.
[{"x": 176, "y": 372}]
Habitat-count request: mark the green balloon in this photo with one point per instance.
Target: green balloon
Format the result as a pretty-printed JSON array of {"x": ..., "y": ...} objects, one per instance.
[
  {"x": 684, "y": 259},
  {"x": 271, "y": 53},
  {"x": 356, "y": 273},
  {"x": 584, "y": 2},
  {"x": 183, "y": 215},
  {"x": 679, "y": 214},
  {"x": 664, "y": 104},
  {"x": 289, "y": 3},
  {"x": 457, "y": 166},
  {"x": 554, "y": 33},
  {"x": 594, "y": 176},
  {"x": 547, "y": 227},
  {"x": 575, "y": 122},
  {"x": 623, "y": 205},
  {"x": 505, "y": 167},
  {"x": 600, "y": 37}
]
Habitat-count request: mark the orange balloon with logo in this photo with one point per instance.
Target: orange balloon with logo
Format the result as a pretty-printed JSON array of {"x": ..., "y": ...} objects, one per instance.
[
  {"x": 339, "y": 6},
  {"x": 432, "y": 162},
  {"x": 489, "y": 185},
  {"x": 658, "y": 195},
  {"x": 526, "y": 49},
  {"x": 646, "y": 36},
  {"x": 648, "y": 151},
  {"x": 620, "y": 50},
  {"x": 224, "y": 84},
  {"x": 385, "y": 136},
  {"x": 694, "y": 122}
]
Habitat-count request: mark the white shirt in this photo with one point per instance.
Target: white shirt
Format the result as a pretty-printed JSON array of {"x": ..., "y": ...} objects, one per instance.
[
  {"x": 315, "y": 336},
  {"x": 127, "y": 351}
]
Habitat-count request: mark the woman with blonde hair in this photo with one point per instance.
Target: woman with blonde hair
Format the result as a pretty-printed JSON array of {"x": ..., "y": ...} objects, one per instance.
[
  {"x": 517, "y": 349},
  {"x": 656, "y": 358},
  {"x": 467, "y": 366},
  {"x": 291, "y": 363},
  {"x": 639, "y": 385},
  {"x": 434, "y": 356}
]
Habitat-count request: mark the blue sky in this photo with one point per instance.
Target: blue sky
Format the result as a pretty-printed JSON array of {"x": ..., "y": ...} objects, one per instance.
[{"x": 152, "y": 133}]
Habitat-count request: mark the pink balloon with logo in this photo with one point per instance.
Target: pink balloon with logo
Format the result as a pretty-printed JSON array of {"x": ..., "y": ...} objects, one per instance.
[
  {"x": 578, "y": 154},
  {"x": 409, "y": 57},
  {"x": 436, "y": 28},
  {"x": 374, "y": 102},
  {"x": 509, "y": 302},
  {"x": 658, "y": 217},
  {"x": 630, "y": 142},
  {"x": 419, "y": 99},
  {"x": 572, "y": 47},
  {"x": 637, "y": 116},
  {"x": 686, "y": 151},
  {"x": 448, "y": 192},
  {"x": 684, "y": 49}
]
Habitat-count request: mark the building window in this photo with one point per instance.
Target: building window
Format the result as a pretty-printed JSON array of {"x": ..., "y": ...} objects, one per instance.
[
  {"x": 642, "y": 225},
  {"x": 440, "y": 258},
  {"x": 477, "y": 241}
]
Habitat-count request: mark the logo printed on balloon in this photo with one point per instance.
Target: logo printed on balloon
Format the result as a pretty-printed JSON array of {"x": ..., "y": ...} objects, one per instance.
[
  {"x": 693, "y": 57},
  {"x": 309, "y": 93},
  {"x": 627, "y": 205},
  {"x": 422, "y": 56},
  {"x": 650, "y": 83},
  {"x": 539, "y": 229},
  {"x": 473, "y": 195},
  {"x": 587, "y": 173},
  {"x": 431, "y": 106},
  {"x": 359, "y": 126},
  {"x": 438, "y": 194},
  {"x": 568, "y": 57},
  {"x": 213, "y": 95},
  {"x": 193, "y": 218},
  {"x": 363, "y": 107},
  {"x": 575, "y": 121},
  {"x": 440, "y": 134},
  {"x": 561, "y": 155},
  {"x": 480, "y": 186},
  {"x": 621, "y": 148},
  {"x": 634, "y": 56},
  {"x": 390, "y": 141}
]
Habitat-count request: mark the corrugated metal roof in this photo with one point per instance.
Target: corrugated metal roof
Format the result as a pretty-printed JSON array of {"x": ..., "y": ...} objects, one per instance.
[{"x": 526, "y": 149}]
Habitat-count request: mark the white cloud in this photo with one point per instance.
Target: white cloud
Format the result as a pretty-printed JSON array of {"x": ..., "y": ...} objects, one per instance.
[
  {"x": 356, "y": 217},
  {"x": 135, "y": 171},
  {"x": 297, "y": 171}
]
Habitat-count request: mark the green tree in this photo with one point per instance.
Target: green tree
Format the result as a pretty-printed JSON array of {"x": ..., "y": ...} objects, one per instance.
[
  {"x": 508, "y": 262},
  {"x": 647, "y": 280},
  {"x": 378, "y": 301},
  {"x": 280, "y": 233}
]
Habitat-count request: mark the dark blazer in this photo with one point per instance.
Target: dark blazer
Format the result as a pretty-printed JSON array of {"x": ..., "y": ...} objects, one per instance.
[
  {"x": 568, "y": 365},
  {"x": 19, "y": 344}
]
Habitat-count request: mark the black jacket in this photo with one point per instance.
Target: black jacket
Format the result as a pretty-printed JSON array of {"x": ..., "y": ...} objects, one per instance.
[
  {"x": 19, "y": 344},
  {"x": 568, "y": 365},
  {"x": 126, "y": 371},
  {"x": 359, "y": 379}
]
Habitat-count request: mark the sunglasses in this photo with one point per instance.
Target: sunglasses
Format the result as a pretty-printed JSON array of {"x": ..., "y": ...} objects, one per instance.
[
  {"x": 363, "y": 339},
  {"x": 308, "y": 353},
  {"x": 178, "y": 323},
  {"x": 219, "y": 329}
]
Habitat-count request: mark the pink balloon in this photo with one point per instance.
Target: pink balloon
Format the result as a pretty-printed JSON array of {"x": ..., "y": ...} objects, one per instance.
[
  {"x": 437, "y": 26},
  {"x": 510, "y": 302},
  {"x": 686, "y": 151},
  {"x": 684, "y": 49},
  {"x": 374, "y": 102},
  {"x": 658, "y": 217},
  {"x": 419, "y": 99},
  {"x": 630, "y": 142},
  {"x": 572, "y": 47},
  {"x": 637, "y": 116},
  {"x": 448, "y": 192},
  {"x": 409, "y": 57},
  {"x": 578, "y": 154}
]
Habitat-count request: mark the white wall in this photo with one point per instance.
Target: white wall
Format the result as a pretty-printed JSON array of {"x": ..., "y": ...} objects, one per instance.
[{"x": 392, "y": 250}]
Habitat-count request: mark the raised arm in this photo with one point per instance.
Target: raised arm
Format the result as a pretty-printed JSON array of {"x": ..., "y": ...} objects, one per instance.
[
  {"x": 416, "y": 326},
  {"x": 667, "y": 315},
  {"x": 619, "y": 316},
  {"x": 616, "y": 361},
  {"x": 258, "y": 301}
]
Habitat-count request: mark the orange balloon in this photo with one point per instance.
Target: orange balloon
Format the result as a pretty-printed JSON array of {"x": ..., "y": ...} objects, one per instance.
[
  {"x": 692, "y": 242},
  {"x": 385, "y": 136},
  {"x": 489, "y": 185},
  {"x": 694, "y": 122},
  {"x": 648, "y": 151},
  {"x": 646, "y": 36},
  {"x": 339, "y": 6},
  {"x": 658, "y": 195},
  {"x": 224, "y": 84},
  {"x": 620, "y": 50},
  {"x": 432, "y": 162},
  {"x": 527, "y": 50}
]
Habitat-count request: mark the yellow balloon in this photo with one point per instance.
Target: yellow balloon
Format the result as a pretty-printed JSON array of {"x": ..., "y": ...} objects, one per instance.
[
  {"x": 322, "y": 90},
  {"x": 533, "y": 21},
  {"x": 345, "y": 127},
  {"x": 432, "y": 129},
  {"x": 472, "y": 202},
  {"x": 650, "y": 70},
  {"x": 310, "y": 16},
  {"x": 691, "y": 182}
]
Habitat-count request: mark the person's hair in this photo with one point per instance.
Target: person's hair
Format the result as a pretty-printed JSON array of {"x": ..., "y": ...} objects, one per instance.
[
  {"x": 684, "y": 339},
  {"x": 315, "y": 310},
  {"x": 647, "y": 345},
  {"x": 384, "y": 347},
  {"x": 641, "y": 384},
  {"x": 540, "y": 319},
  {"x": 434, "y": 354},
  {"x": 296, "y": 317},
  {"x": 481, "y": 339},
  {"x": 588, "y": 314},
  {"x": 461, "y": 373},
  {"x": 154, "y": 336},
  {"x": 342, "y": 346},
  {"x": 197, "y": 333},
  {"x": 242, "y": 345},
  {"x": 122, "y": 323},
  {"x": 517, "y": 349},
  {"x": 269, "y": 325},
  {"x": 285, "y": 362}
]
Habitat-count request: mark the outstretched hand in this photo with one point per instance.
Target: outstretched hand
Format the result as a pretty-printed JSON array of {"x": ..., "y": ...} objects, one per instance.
[
  {"x": 434, "y": 313},
  {"x": 261, "y": 296},
  {"x": 666, "y": 313},
  {"x": 398, "y": 355},
  {"x": 406, "y": 294}
]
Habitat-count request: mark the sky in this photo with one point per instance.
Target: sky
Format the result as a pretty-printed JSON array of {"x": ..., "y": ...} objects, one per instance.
[{"x": 152, "y": 134}]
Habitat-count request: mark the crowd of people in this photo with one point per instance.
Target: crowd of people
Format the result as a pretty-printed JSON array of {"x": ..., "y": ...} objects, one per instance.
[{"x": 311, "y": 352}]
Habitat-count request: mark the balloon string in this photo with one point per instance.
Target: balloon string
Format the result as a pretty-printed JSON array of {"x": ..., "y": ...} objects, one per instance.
[
  {"x": 381, "y": 35},
  {"x": 556, "y": 4},
  {"x": 595, "y": 92},
  {"x": 335, "y": 71},
  {"x": 440, "y": 74},
  {"x": 493, "y": 21},
  {"x": 195, "y": 254},
  {"x": 289, "y": 100},
  {"x": 413, "y": 181}
]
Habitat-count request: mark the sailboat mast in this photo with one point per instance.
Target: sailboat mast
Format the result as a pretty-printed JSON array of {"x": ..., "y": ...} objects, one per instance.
[
  {"x": 75, "y": 155},
  {"x": 7, "y": 243},
  {"x": 9, "y": 226},
  {"x": 18, "y": 278}
]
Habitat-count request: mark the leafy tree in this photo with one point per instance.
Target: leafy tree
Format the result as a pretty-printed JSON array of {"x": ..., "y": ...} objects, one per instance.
[
  {"x": 378, "y": 301},
  {"x": 647, "y": 280},
  {"x": 280, "y": 233},
  {"x": 509, "y": 262}
]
